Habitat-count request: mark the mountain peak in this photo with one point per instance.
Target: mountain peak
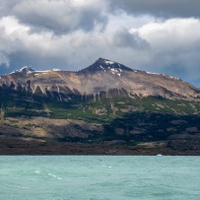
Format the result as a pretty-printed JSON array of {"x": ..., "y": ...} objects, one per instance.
[
  {"x": 105, "y": 64},
  {"x": 26, "y": 70},
  {"x": 104, "y": 61}
]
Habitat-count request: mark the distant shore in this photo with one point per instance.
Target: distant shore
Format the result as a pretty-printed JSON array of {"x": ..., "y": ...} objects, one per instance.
[{"x": 18, "y": 147}]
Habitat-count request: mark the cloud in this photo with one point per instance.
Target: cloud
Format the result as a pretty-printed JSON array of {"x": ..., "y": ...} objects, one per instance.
[
  {"x": 172, "y": 37},
  {"x": 159, "y": 8},
  {"x": 125, "y": 39},
  {"x": 59, "y": 16},
  {"x": 174, "y": 49},
  {"x": 72, "y": 34},
  {"x": 4, "y": 59}
]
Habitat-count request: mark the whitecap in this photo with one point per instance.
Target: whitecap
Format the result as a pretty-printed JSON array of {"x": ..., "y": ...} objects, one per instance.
[
  {"x": 18, "y": 186},
  {"x": 54, "y": 176},
  {"x": 37, "y": 171}
]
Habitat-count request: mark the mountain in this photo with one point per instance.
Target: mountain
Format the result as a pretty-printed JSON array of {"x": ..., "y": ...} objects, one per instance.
[
  {"x": 104, "y": 78},
  {"x": 106, "y": 65},
  {"x": 106, "y": 108}
]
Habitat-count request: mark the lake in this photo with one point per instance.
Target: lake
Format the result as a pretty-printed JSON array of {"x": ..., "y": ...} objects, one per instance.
[{"x": 99, "y": 177}]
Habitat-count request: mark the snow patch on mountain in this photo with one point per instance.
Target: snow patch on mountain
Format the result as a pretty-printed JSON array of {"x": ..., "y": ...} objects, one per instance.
[
  {"x": 115, "y": 70},
  {"x": 57, "y": 70},
  {"x": 152, "y": 73},
  {"x": 29, "y": 70},
  {"x": 108, "y": 62},
  {"x": 24, "y": 69},
  {"x": 101, "y": 67}
]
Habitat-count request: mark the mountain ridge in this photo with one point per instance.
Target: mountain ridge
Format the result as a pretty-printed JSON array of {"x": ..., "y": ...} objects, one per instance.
[{"x": 100, "y": 77}]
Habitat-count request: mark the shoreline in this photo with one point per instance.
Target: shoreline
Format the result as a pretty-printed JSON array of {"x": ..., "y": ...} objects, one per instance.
[{"x": 66, "y": 148}]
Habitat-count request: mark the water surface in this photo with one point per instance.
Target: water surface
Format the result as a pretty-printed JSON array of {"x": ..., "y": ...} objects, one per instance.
[{"x": 99, "y": 177}]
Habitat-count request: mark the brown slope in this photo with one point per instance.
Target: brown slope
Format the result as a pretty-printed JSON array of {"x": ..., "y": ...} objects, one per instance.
[{"x": 103, "y": 75}]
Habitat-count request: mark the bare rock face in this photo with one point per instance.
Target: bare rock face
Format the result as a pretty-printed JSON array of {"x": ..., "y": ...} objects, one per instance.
[{"x": 103, "y": 79}]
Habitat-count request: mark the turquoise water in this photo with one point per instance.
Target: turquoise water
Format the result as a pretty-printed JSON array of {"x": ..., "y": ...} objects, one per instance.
[{"x": 99, "y": 178}]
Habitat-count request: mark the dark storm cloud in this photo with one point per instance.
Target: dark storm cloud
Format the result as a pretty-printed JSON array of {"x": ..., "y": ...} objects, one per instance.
[
  {"x": 125, "y": 39},
  {"x": 159, "y": 8},
  {"x": 61, "y": 16}
]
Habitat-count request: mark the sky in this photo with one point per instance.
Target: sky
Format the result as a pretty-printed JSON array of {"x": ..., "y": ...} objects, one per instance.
[{"x": 153, "y": 35}]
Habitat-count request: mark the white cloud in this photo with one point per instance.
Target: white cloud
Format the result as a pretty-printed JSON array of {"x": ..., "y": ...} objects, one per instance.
[
  {"x": 171, "y": 34},
  {"x": 172, "y": 39}
]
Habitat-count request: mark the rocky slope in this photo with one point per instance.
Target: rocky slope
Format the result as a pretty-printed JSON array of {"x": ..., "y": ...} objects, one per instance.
[{"x": 103, "y": 79}]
